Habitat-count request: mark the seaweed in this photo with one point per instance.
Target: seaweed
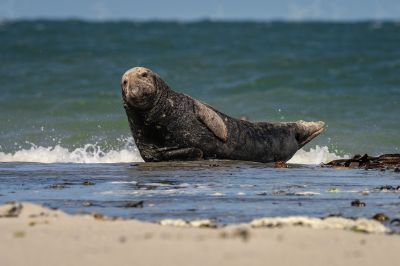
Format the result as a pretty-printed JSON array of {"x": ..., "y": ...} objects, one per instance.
[{"x": 383, "y": 162}]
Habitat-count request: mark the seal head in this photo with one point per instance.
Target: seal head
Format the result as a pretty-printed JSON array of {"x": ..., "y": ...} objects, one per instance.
[{"x": 140, "y": 88}]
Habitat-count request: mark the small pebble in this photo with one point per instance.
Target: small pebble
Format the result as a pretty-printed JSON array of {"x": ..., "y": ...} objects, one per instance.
[
  {"x": 98, "y": 216},
  {"x": 32, "y": 223},
  {"x": 358, "y": 203},
  {"x": 333, "y": 190},
  {"x": 88, "y": 183},
  {"x": 381, "y": 217},
  {"x": 134, "y": 204},
  {"x": 242, "y": 233},
  {"x": 19, "y": 234},
  {"x": 57, "y": 186}
]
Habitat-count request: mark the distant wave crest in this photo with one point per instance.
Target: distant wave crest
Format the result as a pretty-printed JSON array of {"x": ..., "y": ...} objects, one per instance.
[{"x": 93, "y": 153}]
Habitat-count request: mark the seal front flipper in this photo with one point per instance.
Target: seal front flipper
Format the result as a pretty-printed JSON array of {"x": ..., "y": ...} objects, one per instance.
[
  {"x": 181, "y": 154},
  {"x": 211, "y": 119}
]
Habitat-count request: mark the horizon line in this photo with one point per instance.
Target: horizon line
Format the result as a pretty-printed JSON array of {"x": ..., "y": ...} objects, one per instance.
[{"x": 200, "y": 20}]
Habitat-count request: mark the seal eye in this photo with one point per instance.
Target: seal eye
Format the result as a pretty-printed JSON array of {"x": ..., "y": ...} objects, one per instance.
[
  {"x": 125, "y": 82},
  {"x": 144, "y": 74}
]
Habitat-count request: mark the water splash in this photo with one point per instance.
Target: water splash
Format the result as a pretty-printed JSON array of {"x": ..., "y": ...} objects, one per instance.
[
  {"x": 315, "y": 155},
  {"x": 93, "y": 153},
  {"x": 89, "y": 153}
]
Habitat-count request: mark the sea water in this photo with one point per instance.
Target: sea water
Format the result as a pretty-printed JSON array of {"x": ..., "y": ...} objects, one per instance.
[{"x": 62, "y": 120}]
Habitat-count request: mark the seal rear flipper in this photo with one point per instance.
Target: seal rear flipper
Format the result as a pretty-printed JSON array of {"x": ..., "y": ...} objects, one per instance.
[
  {"x": 211, "y": 119},
  {"x": 307, "y": 131},
  {"x": 187, "y": 154}
]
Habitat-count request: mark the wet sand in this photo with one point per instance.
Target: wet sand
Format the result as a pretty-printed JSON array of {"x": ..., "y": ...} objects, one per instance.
[
  {"x": 228, "y": 192},
  {"x": 34, "y": 235}
]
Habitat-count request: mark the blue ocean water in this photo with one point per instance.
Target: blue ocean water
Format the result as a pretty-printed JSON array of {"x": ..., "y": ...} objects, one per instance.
[{"x": 60, "y": 103}]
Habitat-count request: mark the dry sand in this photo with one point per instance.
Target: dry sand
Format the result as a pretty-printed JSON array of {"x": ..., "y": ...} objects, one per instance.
[{"x": 33, "y": 235}]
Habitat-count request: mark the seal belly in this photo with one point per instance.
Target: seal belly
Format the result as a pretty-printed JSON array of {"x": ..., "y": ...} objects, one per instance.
[{"x": 262, "y": 142}]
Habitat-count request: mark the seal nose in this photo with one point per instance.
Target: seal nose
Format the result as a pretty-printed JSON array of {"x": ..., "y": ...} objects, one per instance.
[{"x": 307, "y": 131}]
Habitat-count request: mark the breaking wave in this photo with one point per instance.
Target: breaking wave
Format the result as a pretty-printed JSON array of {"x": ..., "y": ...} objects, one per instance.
[
  {"x": 93, "y": 153},
  {"x": 89, "y": 153}
]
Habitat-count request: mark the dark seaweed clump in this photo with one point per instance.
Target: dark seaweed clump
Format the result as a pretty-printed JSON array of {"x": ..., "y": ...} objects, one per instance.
[{"x": 383, "y": 162}]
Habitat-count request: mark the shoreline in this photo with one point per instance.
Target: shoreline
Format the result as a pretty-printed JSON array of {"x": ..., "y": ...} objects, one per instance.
[{"x": 36, "y": 235}]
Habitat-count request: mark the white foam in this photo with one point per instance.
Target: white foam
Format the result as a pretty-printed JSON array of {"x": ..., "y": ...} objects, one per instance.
[
  {"x": 89, "y": 153},
  {"x": 124, "y": 182},
  {"x": 92, "y": 153},
  {"x": 315, "y": 155}
]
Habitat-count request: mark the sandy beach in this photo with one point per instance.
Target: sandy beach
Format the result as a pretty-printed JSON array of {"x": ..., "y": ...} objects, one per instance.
[{"x": 33, "y": 235}]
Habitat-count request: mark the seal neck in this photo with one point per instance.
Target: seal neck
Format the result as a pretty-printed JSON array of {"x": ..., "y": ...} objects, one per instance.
[
  {"x": 153, "y": 114},
  {"x": 147, "y": 116}
]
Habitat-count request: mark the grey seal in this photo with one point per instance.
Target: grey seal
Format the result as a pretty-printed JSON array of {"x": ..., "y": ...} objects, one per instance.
[{"x": 168, "y": 125}]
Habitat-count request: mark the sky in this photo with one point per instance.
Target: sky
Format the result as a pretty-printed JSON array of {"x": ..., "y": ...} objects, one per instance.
[{"x": 186, "y": 10}]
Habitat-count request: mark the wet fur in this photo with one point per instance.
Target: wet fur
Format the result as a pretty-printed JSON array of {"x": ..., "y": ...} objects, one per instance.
[{"x": 173, "y": 129}]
